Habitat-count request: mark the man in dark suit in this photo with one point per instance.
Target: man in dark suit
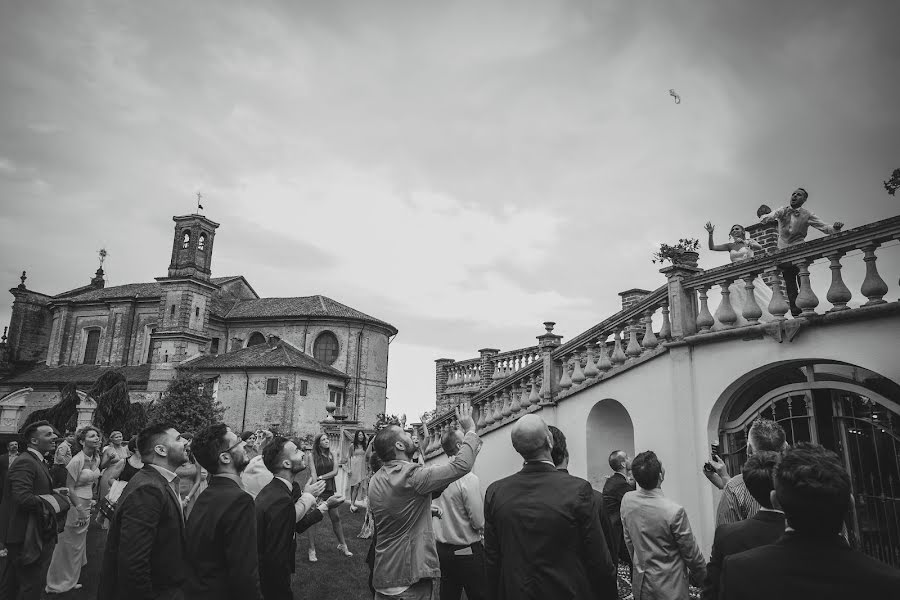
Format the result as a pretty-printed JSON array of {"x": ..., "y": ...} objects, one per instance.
[
  {"x": 279, "y": 515},
  {"x": 560, "y": 456},
  {"x": 26, "y": 494},
  {"x": 221, "y": 531},
  {"x": 6, "y": 461},
  {"x": 144, "y": 558},
  {"x": 811, "y": 560},
  {"x": 614, "y": 490},
  {"x": 542, "y": 534},
  {"x": 765, "y": 527}
]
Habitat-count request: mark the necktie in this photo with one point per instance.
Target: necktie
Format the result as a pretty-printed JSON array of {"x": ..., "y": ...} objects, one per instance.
[{"x": 296, "y": 491}]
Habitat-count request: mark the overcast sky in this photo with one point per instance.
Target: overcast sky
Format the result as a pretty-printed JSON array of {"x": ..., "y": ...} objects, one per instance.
[{"x": 463, "y": 170}]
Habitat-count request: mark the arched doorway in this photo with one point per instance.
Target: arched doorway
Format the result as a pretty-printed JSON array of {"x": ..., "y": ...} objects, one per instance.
[
  {"x": 850, "y": 410},
  {"x": 609, "y": 428}
]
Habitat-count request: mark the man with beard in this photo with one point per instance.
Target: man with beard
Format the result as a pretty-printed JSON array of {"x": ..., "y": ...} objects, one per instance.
[
  {"x": 279, "y": 515},
  {"x": 406, "y": 559},
  {"x": 221, "y": 532},
  {"x": 144, "y": 555}
]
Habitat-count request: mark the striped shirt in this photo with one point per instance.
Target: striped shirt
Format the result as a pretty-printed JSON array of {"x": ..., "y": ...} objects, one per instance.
[{"x": 736, "y": 504}]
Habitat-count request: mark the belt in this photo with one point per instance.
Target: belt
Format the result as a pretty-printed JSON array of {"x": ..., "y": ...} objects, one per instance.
[{"x": 457, "y": 546}]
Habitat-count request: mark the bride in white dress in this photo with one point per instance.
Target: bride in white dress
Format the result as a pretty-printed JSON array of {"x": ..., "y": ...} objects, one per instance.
[{"x": 740, "y": 248}]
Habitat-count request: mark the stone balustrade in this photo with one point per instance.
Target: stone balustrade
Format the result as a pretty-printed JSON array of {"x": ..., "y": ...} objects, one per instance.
[
  {"x": 526, "y": 380},
  {"x": 834, "y": 249}
]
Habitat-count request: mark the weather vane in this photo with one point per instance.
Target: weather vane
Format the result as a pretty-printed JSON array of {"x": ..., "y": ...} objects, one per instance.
[
  {"x": 199, "y": 206},
  {"x": 102, "y": 252},
  {"x": 675, "y": 95}
]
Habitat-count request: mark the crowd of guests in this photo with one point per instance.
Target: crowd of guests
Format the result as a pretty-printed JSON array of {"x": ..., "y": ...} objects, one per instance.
[{"x": 216, "y": 515}]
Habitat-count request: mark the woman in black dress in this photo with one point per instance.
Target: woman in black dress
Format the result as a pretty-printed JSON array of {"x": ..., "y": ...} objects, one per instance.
[{"x": 324, "y": 468}]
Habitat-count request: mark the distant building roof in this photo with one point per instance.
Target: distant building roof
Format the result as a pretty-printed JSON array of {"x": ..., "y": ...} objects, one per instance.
[
  {"x": 271, "y": 355},
  {"x": 78, "y": 374},
  {"x": 129, "y": 290},
  {"x": 305, "y": 306}
]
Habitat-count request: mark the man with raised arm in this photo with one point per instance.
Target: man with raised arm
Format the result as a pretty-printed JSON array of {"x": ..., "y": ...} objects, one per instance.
[
  {"x": 793, "y": 224},
  {"x": 406, "y": 559}
]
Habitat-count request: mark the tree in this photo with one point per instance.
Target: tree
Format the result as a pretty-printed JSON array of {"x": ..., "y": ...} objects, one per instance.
[
  {"x": 63, "y": 415},
  {"x": 382, "y": 420},
  {"x": 893, "y": 184},
  {"x": 187, "y": 404},
  {"x": 115, "y": 411}
]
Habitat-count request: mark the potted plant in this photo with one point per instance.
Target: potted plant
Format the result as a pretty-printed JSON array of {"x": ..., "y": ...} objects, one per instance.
[{"x": 682, "y": 253}]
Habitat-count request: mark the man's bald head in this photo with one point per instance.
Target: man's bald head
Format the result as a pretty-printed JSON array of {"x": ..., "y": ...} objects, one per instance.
[{"x": 531, "y": 438}]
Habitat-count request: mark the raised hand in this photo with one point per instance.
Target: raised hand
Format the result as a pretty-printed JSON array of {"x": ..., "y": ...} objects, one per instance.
[
  {"x": 709, "y": 227},
  {"x": 335, "y": 500},
  {"x": 314, "y": 487},
  {"x": 838, "y": 225},
  {"x": 464, "y": 416}
]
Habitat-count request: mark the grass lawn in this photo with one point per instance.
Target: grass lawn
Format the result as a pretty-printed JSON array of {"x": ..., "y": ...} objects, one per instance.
[{"x": 333, "y": 576}]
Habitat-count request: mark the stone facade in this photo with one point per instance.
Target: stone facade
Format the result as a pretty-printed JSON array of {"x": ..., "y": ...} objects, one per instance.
[{"x": 188, "y": 314}]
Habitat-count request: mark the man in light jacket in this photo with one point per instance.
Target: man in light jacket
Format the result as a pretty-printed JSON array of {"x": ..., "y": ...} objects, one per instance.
[
  {"x": 658, "y": 536},
  {"x": 406, "y": 559}
]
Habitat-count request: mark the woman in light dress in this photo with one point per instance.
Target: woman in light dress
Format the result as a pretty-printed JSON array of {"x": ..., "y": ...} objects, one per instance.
[
  {"x": 357, "y": 475},
  {"x": 70, "y": 554},
  {"x": 373, "y": 464},
  {"x": 191, "y": 478},
  {"x": 112, "y": 461},
  {"x": 740, "y": 248}
]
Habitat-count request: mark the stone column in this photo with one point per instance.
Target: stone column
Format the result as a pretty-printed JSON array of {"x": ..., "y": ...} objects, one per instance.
[
  {"x": 682, "y": 302},
  {"x": 548, "y": 342}
]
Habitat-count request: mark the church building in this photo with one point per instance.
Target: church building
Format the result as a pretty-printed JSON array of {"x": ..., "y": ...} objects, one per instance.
[{"x": 271, "y": 362}]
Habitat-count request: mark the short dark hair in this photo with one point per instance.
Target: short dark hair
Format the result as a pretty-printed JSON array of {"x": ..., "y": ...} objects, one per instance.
[
  {"x": 766, "y": 436},
  {"x": 273, "y": 452},
  {"x": 617, "y": 460},
  {"x": 31, "y": 428},
  {"x": 247, "y": 435},
  {"x": 646, "y": 469},
  {"x": 449, "y": 441},
  {"x": 149, "y": 436},
  {"x": 757, "y": 473},
  {"x": 132, "y": 443},
  {"x": 208, "y": 444},
  {"x": 813, "y": 489},
  {"x": 559, "y": 452},
  {"x": 384, "y": 442}
]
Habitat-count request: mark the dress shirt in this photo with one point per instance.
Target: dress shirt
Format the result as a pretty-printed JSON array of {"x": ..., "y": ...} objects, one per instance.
[
  {"x": 63, "y": 454},
  {"x": 462, "y": 523},
  {"x": 793, "y": 224},
  {"x": 303, "y": 503},
  {"x": 36, "y": 453},
  {"x": 736, "y": 504}
]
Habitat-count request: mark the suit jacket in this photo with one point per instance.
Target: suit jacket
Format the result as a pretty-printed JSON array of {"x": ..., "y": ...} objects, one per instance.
[
  {"x": 221, "y": 537},
  {"x": 605, "y": 524},
  {"x": 543, "y": 538},
  {"x": 798, "y": 566},
  {"x": 28, "y": 478},
  {"x": 145, "y": 548},
  {"x": 662, "y": 546},
  {"x": 4, "y": 469},
  {"x": 275, "y": 526},
  {"x": 764, "y": 528}
]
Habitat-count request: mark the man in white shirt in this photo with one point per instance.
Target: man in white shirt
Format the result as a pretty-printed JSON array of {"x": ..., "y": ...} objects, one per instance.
[
  {"x": 793, "y": 224},
  {"x": 459, "y": 531}
]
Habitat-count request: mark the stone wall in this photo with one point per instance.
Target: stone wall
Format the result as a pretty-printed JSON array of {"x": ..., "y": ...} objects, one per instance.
[{"x": 29, "y": 326}]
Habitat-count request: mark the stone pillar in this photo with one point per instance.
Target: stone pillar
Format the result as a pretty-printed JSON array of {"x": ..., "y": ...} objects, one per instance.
[
  {"x": 440, "y": 375},
  {"x": 487, "y": 367},
  {"x": 632, "y": 297},
  {"x": 548, "y": 342},
  {"x": 682, "y": 302}
]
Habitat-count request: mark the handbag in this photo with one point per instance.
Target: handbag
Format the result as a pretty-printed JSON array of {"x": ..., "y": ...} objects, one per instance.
[{"x": 108, "y": 504}]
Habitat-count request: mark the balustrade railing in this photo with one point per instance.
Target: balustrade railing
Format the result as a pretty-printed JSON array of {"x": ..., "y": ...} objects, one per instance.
[
  {"x": 526, "y": 378},
  {"x": 739, "y": 306},
  {"x": 463, "y": 375}
]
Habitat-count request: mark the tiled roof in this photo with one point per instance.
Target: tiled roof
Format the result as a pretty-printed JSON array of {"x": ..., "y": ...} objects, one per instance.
[
  {"x": 278, "y": 355},
  {"x": 79, "y": 374},
  {"x": 150, "y": 289},
  {"x": 305, "y": 306}
]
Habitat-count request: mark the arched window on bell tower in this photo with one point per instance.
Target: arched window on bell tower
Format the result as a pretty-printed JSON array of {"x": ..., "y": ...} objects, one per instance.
[
  {"x": 186, "y": 240},
  {"x": 201, "y": 242}
]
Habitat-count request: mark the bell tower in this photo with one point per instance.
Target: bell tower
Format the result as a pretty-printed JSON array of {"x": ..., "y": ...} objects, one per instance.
[
  {"x": 192, "y": 247},
  {"x": 182, "y": 329}
]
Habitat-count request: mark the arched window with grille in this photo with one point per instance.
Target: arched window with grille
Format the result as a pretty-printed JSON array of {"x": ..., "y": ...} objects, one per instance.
[{"x": 326, "y": 348}]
